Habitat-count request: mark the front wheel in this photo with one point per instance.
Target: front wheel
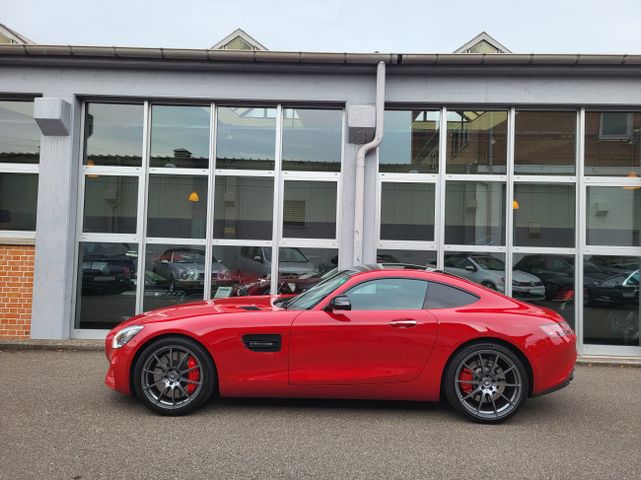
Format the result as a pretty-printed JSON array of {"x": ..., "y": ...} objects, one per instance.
[
  {"x": 174, "y": 376},
  {"x": 486, "y": 382}
]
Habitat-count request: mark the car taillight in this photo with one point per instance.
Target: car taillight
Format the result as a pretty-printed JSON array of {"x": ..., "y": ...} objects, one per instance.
[
  {"x": 563, "y": 295},
  {"x": 560, "y": 329},
  {"x": 126, "y": 272}
]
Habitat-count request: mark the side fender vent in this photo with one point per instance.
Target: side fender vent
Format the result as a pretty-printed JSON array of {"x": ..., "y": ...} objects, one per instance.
[{"x": 264, "y": 342}]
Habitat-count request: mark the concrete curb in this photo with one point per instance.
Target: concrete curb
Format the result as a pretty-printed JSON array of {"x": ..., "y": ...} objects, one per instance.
[{"x": 62, "y": 345}]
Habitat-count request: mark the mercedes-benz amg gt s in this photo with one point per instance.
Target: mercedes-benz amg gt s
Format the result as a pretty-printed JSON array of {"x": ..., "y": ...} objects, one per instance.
[{"x": 368, "y": 332}]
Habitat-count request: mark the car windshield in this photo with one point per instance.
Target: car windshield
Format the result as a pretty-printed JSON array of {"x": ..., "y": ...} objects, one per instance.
[
  {"x": 291, "y": 255},
  {"x": 489, "y": 263},
  {"x": 311, "y": 297}
]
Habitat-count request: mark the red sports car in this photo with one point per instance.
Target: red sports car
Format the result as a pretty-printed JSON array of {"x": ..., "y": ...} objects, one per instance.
[{"x": 368, "y": 332}]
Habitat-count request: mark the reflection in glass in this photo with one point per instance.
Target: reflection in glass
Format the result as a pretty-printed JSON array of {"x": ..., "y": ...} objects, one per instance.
[
  {"x": 407, "y": 211},
  {"x": 249, "y": 267},
  {"x": 544, "y": 215},
  {"x": 411, "y": 142},
  {"x": 18, "y": 201},
  {"x": 19, "y": 133},
  {"x": 488, "y": 269},
  {"x": 612, "y": 144},
  {"x": 475, "y": 213},
  {"x": 176, "y": 274},
  {"x": 110, "y": 204},
  {"x": 243, "y": 207},
  {"x": 410, "y": 257},
  {"x": 179, "y": 136},
  {"x": 611, "y": 300},
  {"x": 301, "y": 268},
  {"x": 106, "y": 293},
  {"x": 113, "y": 134},
  {"x": 309, "y": 209},
  {"x": 545, "y": 143},
  {"x": 476, "y": 142},
  {"x": 177, "y": 206},
  {"x": 246, "y": 138},
  {"x": 312, "y": 139},
  {"x": 556, "y": 273},
  {"x": 613, "y": 216}
]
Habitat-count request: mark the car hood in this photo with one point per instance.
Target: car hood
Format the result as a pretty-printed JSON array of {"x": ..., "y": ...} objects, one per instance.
[
  {"x": 236, "y": 305},
  {"x": 520, "y": 276}
]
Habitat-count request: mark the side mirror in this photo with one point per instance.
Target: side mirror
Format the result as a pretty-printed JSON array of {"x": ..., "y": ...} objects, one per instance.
[
  {"x": 470, "y": 268},
  {"x": 341, "y": 302},
  {"x": 258, "y": 258},
  {"x": 166, "y": 262}
]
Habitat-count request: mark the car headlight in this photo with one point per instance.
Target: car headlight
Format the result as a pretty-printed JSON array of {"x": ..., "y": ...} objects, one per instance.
[{"x": 124, "y": 335}]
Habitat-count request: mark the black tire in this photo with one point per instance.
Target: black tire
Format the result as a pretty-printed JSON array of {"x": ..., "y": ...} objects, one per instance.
[
  {"x": 486, "y": 382},
  {"x": 164, "y": 386}
]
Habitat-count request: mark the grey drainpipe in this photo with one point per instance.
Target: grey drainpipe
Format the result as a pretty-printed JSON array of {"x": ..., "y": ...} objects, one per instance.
[{"x": 360, "y": 165}]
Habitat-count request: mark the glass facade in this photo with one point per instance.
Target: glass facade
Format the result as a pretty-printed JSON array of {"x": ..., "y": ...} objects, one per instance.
[
  {"x": 163, "y": 225},
  {"x": 19, "y": 166}
]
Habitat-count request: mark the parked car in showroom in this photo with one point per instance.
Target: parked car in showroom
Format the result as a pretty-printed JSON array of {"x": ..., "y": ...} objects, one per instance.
[
  {"x": 184, "y": 269},
  {"x": 490, "y": 272},
  {"x": 256, "y": 262},
  {"x": 365, "y": 332},
  {"x": 108, "y": 268}
]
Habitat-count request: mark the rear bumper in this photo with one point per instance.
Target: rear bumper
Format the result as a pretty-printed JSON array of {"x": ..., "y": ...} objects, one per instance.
[{"x": 561, "y": 385}]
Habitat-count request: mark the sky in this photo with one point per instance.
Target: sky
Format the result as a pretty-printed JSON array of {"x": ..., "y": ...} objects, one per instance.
[{"x": 398, "y": 26}]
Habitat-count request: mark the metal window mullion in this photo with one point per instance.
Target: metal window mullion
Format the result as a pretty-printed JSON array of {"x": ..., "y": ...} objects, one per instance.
[
  {"x": 439, "y": 204},
  {"x": 141, "y": 225},
  {"x": 243, "y": 173},
  {"x": 20, "y": 168},
  {"x": 509, "y": 202},
  {"x": 211, "y": 186},
  {"x": 226, "y": 242},
  {"x": 277, "y": 214},
  {"x": 579, "y": 225}
]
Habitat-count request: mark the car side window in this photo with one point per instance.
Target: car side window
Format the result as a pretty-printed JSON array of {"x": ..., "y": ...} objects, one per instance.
[
  {"x": 388, "y": 294},
  {"x": 440, "y": 295}
]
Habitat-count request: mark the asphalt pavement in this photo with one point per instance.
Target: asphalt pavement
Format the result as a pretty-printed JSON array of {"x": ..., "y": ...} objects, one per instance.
[{"x": 58, "y": 421}]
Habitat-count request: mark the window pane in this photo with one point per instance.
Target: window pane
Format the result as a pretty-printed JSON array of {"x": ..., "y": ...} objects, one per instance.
[
  {"x": 179, "y": 136},
  {"x": 388, "y": 294},
  {"x": 19, "y": 133},
  {"x": 440, "y": 295},
  {"x": 18, "y": 201},
  {"x": 309, "y": 209},
  {"x": 614, "y": 216},
  {"x": 407, "y": 211},
  {"x": 410, "y": 141},
  {"x": 545, "y": 143},
  {"x": 246, "y": 138},
  {"x": 555, "y": 272},
  {"x": 106, "y": 293},
  {"x": 475, "y": 213},
  {"x": 476, "y": 142},
  {"x": 312, "y": 139},
  {"x": 411, "y": 257},
  {"x": 301, "y": 268},
  {"x": 176, "y": 274},
  {"x": 113, "y": 134},
  {"x": 544, "y": 215},
  {"x": 249, "y": 270},
  {"x": 611, "y": 290},
  {"x": 488, "y": 269},
  {"x": 612, "y": 144},
  {"x": 243, "y": 207},
  {"x": 177, "y": 206},
  {"x": 110, "y": 204}
]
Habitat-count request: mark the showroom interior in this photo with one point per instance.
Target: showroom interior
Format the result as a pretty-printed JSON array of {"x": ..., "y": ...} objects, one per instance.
[{"x": 154, "y": 177}]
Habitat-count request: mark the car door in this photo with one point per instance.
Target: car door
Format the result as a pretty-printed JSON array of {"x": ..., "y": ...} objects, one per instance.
[{"x": 387, "y": 336}]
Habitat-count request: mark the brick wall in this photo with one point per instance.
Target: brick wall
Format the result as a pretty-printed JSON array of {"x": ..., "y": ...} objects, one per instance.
[{"x": 16, "y": 290}]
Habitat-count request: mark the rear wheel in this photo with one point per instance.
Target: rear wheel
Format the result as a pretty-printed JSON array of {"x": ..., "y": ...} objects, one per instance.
[
  {"x": 486, "y": 382},
  {"x": 174, "y": 376}
]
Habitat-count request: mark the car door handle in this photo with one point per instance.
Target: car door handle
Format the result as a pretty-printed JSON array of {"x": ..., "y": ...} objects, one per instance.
[{"x": 403, "y": 323}]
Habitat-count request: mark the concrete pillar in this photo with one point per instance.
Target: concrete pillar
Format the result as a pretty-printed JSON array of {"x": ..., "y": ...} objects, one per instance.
[{"x": 56, "y": 222}]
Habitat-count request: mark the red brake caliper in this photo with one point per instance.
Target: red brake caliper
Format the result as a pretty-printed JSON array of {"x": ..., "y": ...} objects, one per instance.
[
  {"x": 193, "y": 375},
  {"x": 466, "y": 376}
]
